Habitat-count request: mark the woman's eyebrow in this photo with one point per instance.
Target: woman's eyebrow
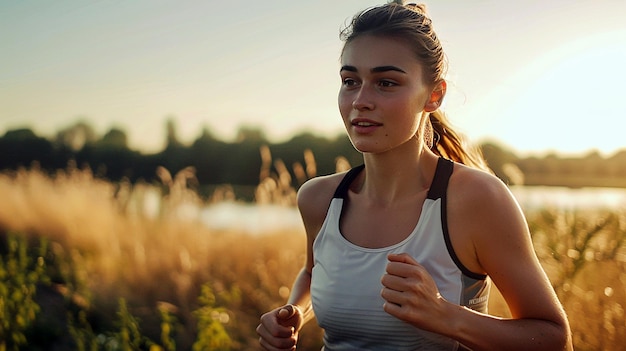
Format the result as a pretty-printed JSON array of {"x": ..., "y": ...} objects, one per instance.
[
  {"x": 348, "y": 68},
  {"x": 386, "y": 69},
  {"x": 378, "y": 69}
]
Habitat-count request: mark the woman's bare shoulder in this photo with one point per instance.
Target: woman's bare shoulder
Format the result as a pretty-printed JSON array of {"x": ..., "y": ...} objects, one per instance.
[
  {"x": 484, "y": 207},
  {"x": 471, "y": 184},
  {"x": 318, "y": 191},
  {"x": 314, "y": 197}
]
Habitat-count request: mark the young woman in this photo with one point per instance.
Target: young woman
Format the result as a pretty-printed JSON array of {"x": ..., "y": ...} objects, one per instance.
[{"x": 401, "y": 250}]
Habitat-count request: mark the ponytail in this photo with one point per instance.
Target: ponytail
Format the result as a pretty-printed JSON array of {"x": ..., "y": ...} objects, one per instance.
[{"x": 445, "y": 142}]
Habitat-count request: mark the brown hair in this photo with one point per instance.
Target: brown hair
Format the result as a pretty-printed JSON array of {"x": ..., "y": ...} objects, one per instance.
[{"x": 411, "y": 24}]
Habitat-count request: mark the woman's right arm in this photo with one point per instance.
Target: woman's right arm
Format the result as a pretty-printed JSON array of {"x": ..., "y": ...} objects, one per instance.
[{"x": 279, "y": 328}]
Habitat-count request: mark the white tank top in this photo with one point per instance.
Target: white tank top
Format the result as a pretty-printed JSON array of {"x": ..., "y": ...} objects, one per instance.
[{"x": 345, "y": 285}]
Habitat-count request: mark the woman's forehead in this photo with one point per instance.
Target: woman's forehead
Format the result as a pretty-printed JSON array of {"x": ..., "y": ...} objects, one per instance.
[{"x": 369, "y": 51}]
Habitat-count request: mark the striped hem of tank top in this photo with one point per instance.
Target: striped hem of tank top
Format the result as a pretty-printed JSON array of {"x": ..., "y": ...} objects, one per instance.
[{"x": 438, "y": 190}]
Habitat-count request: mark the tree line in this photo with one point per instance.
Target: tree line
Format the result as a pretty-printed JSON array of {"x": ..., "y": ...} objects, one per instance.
[
  {"x": 239, "y": 162},
  {"x": 214, "y": 161}
]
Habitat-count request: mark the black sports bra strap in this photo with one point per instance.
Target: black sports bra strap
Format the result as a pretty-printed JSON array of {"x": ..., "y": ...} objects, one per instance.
[
  {"x": 437, "y": 189},
  {"x": 342, "y": 188},
  {"x": 440, "y": 181}
]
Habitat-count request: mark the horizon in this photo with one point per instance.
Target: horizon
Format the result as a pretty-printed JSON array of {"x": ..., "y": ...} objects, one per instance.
[
  {"x": 272, "y": 140},
  {"x": 543, "y": 85}
]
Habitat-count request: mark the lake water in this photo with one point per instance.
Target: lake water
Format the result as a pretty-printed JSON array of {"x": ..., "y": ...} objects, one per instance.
[
  {"x": 251, "y": 218},
  {"x": 533, "y": 197},
  {"x": 259, "y": 219}
]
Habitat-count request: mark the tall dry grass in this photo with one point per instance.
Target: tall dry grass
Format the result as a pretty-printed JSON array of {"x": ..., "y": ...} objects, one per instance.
[
  {"x": 122, "y": 240},
  {"x": 118, "y": 240},
  {"x": 584, "y": 253}
]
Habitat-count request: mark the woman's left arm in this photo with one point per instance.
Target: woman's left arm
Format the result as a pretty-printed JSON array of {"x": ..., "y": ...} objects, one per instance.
[
  {"x": 504, "y": 250},
  {"x": 501, "y": 246}
]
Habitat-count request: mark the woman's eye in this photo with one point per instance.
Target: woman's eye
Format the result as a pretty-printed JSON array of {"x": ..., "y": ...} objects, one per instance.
[
  {"x": 386, "y": 83},
  {"x": 349, "y": 82}
]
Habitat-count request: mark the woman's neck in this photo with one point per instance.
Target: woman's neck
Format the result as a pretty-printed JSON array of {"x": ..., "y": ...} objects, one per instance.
[{"x": 395, "y": 175}]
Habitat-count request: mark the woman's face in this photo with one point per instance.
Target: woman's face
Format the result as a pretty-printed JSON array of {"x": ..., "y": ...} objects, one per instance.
[{"x": 383, "y": 94}]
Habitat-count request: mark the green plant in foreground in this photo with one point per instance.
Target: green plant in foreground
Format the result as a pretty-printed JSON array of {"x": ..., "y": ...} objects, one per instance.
[
  {"x": 82, "y": 333},
  {"x": 128, "y": 336},
  {"x": 19, "y": 276},
  {"x": 211, "y": 332},
  {"x": 167, "y": 323}
]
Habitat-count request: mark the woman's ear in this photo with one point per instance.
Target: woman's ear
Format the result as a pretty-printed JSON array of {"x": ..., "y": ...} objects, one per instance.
[{"x": 436, "y": 96}]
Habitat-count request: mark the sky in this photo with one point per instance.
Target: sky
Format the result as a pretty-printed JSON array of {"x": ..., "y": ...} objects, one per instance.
[{"x": 535, "y": 76}]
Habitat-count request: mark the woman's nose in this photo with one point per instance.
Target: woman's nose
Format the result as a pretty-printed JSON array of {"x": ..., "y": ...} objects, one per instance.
[{"x": 362, "y": 100}]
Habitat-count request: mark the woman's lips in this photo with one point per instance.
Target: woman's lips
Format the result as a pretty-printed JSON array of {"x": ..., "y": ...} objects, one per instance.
[{"x": 365, "y": 126}]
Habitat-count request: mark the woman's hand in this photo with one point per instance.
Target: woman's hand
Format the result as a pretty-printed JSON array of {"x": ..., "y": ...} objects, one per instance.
[
  {"x": 279, "y": 328},
  {"x": 410, "y": 293}
]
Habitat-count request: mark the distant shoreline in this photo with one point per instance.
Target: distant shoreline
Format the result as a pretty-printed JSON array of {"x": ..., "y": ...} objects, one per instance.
[{"x": 574, "y": 181}]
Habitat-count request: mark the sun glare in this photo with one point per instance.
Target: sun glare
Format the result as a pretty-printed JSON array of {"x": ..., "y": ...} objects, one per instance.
[{"x": 567, "y": 101}]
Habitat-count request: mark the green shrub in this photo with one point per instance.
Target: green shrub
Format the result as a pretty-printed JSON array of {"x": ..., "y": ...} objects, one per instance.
[{"x": 19, "y": 276}]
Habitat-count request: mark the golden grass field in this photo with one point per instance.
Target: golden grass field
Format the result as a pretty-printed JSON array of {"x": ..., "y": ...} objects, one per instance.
[{"x": 108, "y": 242}]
